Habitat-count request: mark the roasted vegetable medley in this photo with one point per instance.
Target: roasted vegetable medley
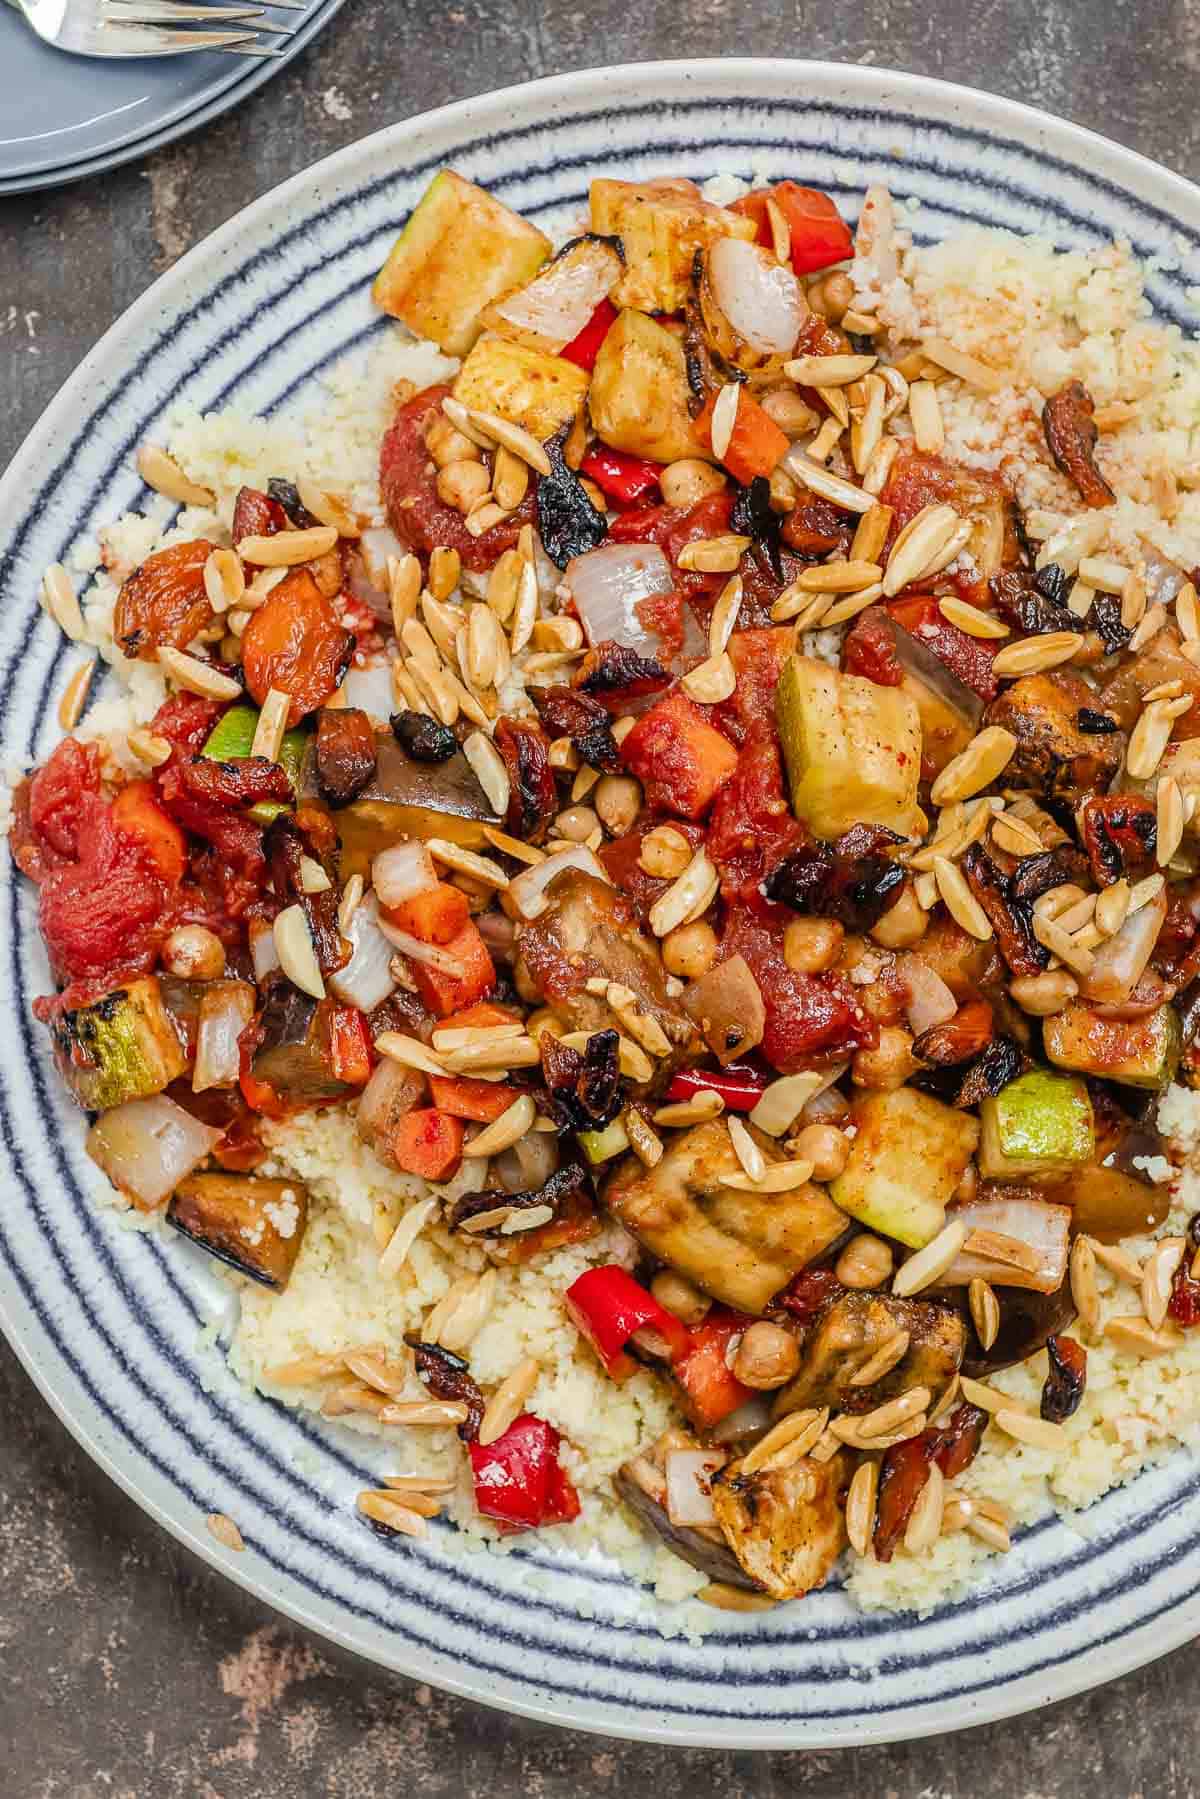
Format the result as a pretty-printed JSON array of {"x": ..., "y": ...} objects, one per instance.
[{"x": 763, "y": 841}]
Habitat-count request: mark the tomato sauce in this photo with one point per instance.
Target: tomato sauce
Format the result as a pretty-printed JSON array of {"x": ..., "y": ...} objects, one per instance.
[{"x": 417, "y": 514}]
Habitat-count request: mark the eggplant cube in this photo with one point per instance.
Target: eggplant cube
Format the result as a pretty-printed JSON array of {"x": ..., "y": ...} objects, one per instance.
[
  {"x": 639, "y": 393},
  {"x": 253, "y": 1224},
  {"x": 1037, "y": 1128},
  {"x": 661, "y": 225},
  {"x": 123, "y": 1046}
]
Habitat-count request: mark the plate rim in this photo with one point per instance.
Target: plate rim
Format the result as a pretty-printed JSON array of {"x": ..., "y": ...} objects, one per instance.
[
  {"x": 669, "y": 78},
  {"x": 189, "y": 117}
]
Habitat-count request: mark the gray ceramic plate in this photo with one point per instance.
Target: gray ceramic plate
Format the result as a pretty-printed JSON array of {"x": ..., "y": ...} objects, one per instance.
[
  {"x": 65, "y": 117},
  {"x": 109, "y": 1323}
]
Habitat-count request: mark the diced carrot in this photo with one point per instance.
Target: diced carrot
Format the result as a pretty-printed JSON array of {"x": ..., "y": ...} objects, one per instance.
[
  {"x": 755, "y": 444},
  {"x": 350, "y": 1046},
  {"x": 681, "y": 761},
  {"x": 429, "y": 1143},
  {"x": 136, "y": 811},
  {"x": 481, "y": 1101},
  {"x": 478, "y": 1018},
  {"x": 435, "y": 915},
  {"x": 444, "y": 993}
]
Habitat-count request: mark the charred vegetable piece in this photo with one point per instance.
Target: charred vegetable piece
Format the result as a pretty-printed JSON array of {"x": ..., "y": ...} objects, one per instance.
[
  {"x": 566, "y": 712},
  {"x": 851, "y": 880},
  {"x": 907, "y": 1157},
  {"x": 753, "y": 516},
  {"x": 570, "y": 525},
  {"x": 532, "y": 792},
  {"x": 1071, "y": 437},
  {"x": 615, "y": 674},
  {"x": 588, "y": 931},
  {"x": 1001, "y": 1062},
  {"x": 1037, "y": 602},
  {"x": 1119, "y": 832},
  {"x": 661, "y": 225},
  {"x": 1038, "y": 1128},
  {"x": 448, "y": 1377},
  {"x": 905, "y": 1469},
  {"x": 345, "y": 753},
  {"x": 786, "y": 1526},
  {"x": 409, "y": 796},
  {"x": 1053, "y": 755},
  {"x": 693, "y": 1546},
  {"x": 1037, "y": 874},
  {"x": 550, "y": 311},
  {"x": 540, "y": 393},
  {"x": 296, "y": 643},
  {"x": 602, "y": 1146},
  {"x": 292, "y": 1057},
  {"x": 555, "y": 1192},
  {"x": 741, "y": 1247},
  {"x": 423, "y": 738},
  {"x": 1161, "y": 660},
  {"x": 853, "y": 1329},
  {"x": 1011, "y": 918},
  {"x": 681, "y": 761},
  {"x": 164, "y": 601},
  {"x": 254, "y": 1224},
  {"x": 639, "y": 394},
  {"x": 1062, "y": 1394},
  {"x": 232, "y": 738},
  {"x": 585, "y": 1089},
  {"x": 961, "y": 1038},
  {"x": 459, "y": 250},
  {"x": 1137, "y": 1052},
  {"x": 122, "y": 1046},
  {"x": 1027, "y": 1319},
  {"x": 852, "y": 749}
]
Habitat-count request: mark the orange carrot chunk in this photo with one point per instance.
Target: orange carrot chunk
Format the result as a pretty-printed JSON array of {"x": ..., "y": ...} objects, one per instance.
[
  {"x": 428, "y": 1142},
  {"x": 480, "y": 1101},
  {"x": 435, "y": 915},
  {"x": 755, "y": 444},
  {"x": 446, "y": 993},
  {"x": 681, "y": 761}
]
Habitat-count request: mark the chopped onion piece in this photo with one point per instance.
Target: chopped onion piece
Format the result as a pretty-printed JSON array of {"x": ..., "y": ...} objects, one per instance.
[
  {"x": 688, "y": 1473},
  {"x": 370, "y": 689},
  {"x": 759, "y": 296},
  {"x": 263, "y": 953},
  {"x": 391, "y": 1091},
  {"x": 401, "y": 872},
  {"x": 1034, "y": 1224},
  {"x": 1118, "y": 965},
  {"x": 553, "y": 308},
  {"x": 930, "y": 1001},
  {"x": 147, "y": 1146},
  {"x": 367, "y": 980},
  {"x": 226, "y": 1008},
  {"x": 528, "y": 891},
  {"x": 727, "y": 1004},
  {"x": 609, "y": 584},
  {"x": 751, "y": 1419}
]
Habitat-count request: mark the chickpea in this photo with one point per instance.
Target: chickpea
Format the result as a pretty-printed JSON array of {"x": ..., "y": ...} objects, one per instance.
[
  {"x": 904, "y": 923},
  {"x": 463, "y": 484},
  {"x": 618, "y": 800},
  {"x": 195, "y": 953},
  {"x": 826, "y": 1147},
  {"x": 690, "y": 950},
  {"x": 785, "y": 495},
  {"x": 889, "y": 1065},
  {"x": 684, "y": 483},
  {"x": 832, "y": 296},
  {"x": 576, "y": 824},
  {"x": 665, "y": 853},
  {"x": 866, "y": 1261},
  {"x": 1042, "y": 995},
  {"x": 446, "y": 445},
  {"x": 811, "y": 945},
  {"x": 767, "y": 1356},
  {"x": 676, "y": 1294},
  {"x": 790, "y": 411},
  {"x": 541, "y": 1020}
]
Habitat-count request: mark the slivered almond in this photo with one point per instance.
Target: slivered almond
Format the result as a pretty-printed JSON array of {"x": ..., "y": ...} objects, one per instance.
[
  {"x": 828, "y": 371},
  {"x": 196, "y": 676},
  {"x": 921, "y": 540},
  {"x": 1170, "y": 820},
  {"x": 972, "y": 620},
  {"x": 1139, "y": 1337},
  {"x": 887, "y": 1418},
  {"x": 1060, "y": 944},
  {"x": 852, "y": 605},
  {"x": 746, "y": 1150},
  {"x": 891, "y": 1352},
  {"x": 75, "y": 693},
  {"x": 875, "y": 475},
  {"x": 985, "y": 1309},
  {"x": 830, "y": 487},
  {"x": 513, "y": 437},
  {"x": 711, "y": 681},
  {"x": 508, "y": 1401},
  {"x": 959, "y": 901},
  {"x": 996, "y": 1246},
  {"x": 164, "y": 475},
  {"x": 724, "y": 417},
  {"x": 805, "y": 1426},
  {"x": 288, "y": 548},
  {"x": 929, "y": 1264},
  {"x": 967, "y": 368},
  {"x": 58, "y": 598},
  {"x": 1039, "y": 1433},
  {"x": 860, "y": 1507},
  {"x": 982, "y": 762},
  {"x": 924, "y": 1525},
  {"x": 1158, "y": 1273},
  {"x": 1118, "y": 1261},
  {"x": 870, "y": 537},
  {"x": 1033, "y": 654},
  {"x": 925, "y": 415},
  {"x": 839, "y": 577},
  {"x": 714, "y": 555}
]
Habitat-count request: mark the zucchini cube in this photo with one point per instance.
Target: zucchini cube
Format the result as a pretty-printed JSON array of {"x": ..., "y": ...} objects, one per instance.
[{"x": 1037, "y": 1128}]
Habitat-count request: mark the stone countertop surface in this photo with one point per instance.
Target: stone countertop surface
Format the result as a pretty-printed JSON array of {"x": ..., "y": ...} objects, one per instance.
[{"x": 127, "y": 1669}]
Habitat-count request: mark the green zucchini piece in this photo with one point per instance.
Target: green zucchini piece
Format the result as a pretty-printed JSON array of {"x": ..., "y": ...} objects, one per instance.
[
  {"x": 852, "y": 749},
  {"x": 908, "y": 1154},
  {"x": 123, "y": 1046},
  {"x": 1138, "y": 1052},
  {"x": 253, "y": 1224},
  {"x": 1038, "y": 1128},
  {"x": 602, "y": 1146},
  {"x": 232, "y": 738},
  {"x": 459, "y": 251}
]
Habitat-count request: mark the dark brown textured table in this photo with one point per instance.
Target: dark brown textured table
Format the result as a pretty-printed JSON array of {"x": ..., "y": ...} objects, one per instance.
[{"x": 129, "y": 1671}]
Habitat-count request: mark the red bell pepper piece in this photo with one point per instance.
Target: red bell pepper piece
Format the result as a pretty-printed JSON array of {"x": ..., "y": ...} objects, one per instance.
[
  {"x": 740, "y": 1088},
  {"x": 519, "y": 1481},
  {"x": 584, "y": 349},
  {"x": 608, "y": 1306},
  {"x": 350, "y": 1045},
  {"x": 710, "y": 1391},
  {"x": 625, "y": 479},
  {"x": 820, "y": 236}
]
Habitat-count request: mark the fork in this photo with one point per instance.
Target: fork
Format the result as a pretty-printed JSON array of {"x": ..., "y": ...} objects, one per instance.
[{"x": 151, "y": 27}]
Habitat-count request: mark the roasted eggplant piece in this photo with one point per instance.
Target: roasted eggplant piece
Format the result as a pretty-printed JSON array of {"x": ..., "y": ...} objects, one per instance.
[
  {"x": 851, "y": 1330},
  {"x": 693, "y": 1546},
  {"x": 743, "y": 1248},
  {"x": 1053, "y": 756},
  {"x": 122, "y": 1046},
  {"x": 786, "y": 1527},
  {"x": 292, "y": 1056},
  {"x": 254, "y": 1224},
  {"x": 1161, "y": 660},
  {"x": 407, "y": 797},
  {"x": 345, "y": 753},
  {"x": 661, "y": 224},
  {"x": 1027, "y": 1319}
]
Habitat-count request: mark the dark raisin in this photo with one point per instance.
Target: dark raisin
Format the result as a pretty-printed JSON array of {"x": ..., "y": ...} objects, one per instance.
[
  {"x": 753, "y": 516},
  {"x": 448, "y": 1377},
  {"x": 1066, "y": 1380},
  {"x": 568, "y": 522},
  {"x": 422, "y": 737},
  {"x": 287, "y": 495},
  {"x": 851, "y": 880},
  {"x": 1095, "y": 724}
]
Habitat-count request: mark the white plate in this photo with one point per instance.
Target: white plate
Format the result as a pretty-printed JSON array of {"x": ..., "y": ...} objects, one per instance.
[{"x": 107, "y": 1323}]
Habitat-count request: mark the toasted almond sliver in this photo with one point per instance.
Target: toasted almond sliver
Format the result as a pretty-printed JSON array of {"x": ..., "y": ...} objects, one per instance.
[
  {"x": 712, "y": 681},
  {"x": 989, "y": 1399},
  {"x": 782, "y": 1101},
  {"x": 818, "y": 480},
  {"x": 891, "y": 1352},
  {"x": 1060, "y": 944},
  {"x": 972, "y": 620},
  {"x": 164, "y": 475},
  {"x": 960, "y": 902},
  {"x": 828, "y": 371},
  {"x": 306, "y": 1371},
  {"x": 724, "y": 417},
  {"x": 1118, "y": 1261},
  {"x": 976, "y": 767},
  {"x": 287, "y": 548},
  {"x": 58, "y": 598},
  {"x": 1084, "y": 1290},
  {"x": 504, "y": 1131},
  {"x": 489, "y": 768},
  {"x": 779, "y": 1177},
  {"x": 1138, "y": 1337},
  {"x": 1040, "y": 1433},
  {"x": 1170, "y": 818},
  {"x": 967, "y": 368},
  {"x": 512, "y": 846},
  {"x": 436, "y": 1412},
  {"x": 697, "y": 1110},
  {"x": 921, "y": 540},
  {"x": 1158, "y": 1272},
  {"x": 997, "y": 1246},
  {"x": 466, "y": 862},
  {"x": 405, "y": 1235},
  {"x": 714, "y": 555},
  {"x": 409, "y": 1051},
  {"x": 929, "y": 1264},
  {"x": 75, "y": 694},
  {"x": 851, "y": 606},
  {"x": 806, "y": 1425},
  {"x": 925, "y": 413},
  {"x": 735, "y": 1599},
  {"x": 388, "y": 1510},
  {"x": 723, "y": 620},
  {"x": 272, "y": 724},
  {"x": 1104, "y": 572},
  {"x": 885, "y": 1420},
  {"x": 870, "y": 536},
  {"x": 1034, "y": 654},
  {"x": 985, "y": 1311},
  {"x": 860, "y": 1507},
  {"x": 924, "y": 1525},
  {"x": 839, "y": 577},
  {"x": 508, "y": 1401},
  {"x": 746, "y": 1150},
  {"x": 195, "y": 676},
  {"x": 685, "y": 895},
  {"x": 225, "y": 1531}
]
